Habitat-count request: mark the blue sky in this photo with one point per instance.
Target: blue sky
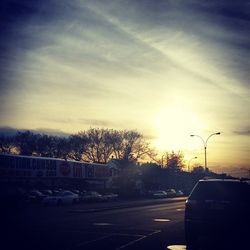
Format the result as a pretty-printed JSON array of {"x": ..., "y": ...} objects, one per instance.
[{"x": 165, "y": 68}]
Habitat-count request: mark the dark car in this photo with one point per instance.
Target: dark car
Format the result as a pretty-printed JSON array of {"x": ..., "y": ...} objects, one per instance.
[
  {"x": 47, "y": 192},
  {"x": 36, "y": 196},
  {"x": 217, "y": 215}
]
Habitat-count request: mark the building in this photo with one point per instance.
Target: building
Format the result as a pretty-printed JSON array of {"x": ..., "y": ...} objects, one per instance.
[{"x": 41, "y": 172}]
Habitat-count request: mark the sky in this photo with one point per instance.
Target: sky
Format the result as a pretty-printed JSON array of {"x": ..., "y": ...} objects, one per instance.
[{"x": 166, "y": 68}]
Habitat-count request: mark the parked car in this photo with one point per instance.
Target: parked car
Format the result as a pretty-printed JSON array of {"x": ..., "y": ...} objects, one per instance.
[
  {"x": 179, "y": 193},
  {"x": 46, "y": 192},
  {"x": 55, "y": 191},
  {"x": 60, "y": 198},
  {"x": 110, "y": 196},
  {"x": 91, "y": 196},
  {"x": 75, "y": 191},
  {"x": 35, "y": 196},
  {"x": 217, "y": 215},
  {"x": 159, "y": 194},
  {"x": 171, "y": 192}
]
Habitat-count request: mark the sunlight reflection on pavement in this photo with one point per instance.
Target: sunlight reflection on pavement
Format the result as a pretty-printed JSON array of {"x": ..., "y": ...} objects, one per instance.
[{"x": 176, "y": 247}]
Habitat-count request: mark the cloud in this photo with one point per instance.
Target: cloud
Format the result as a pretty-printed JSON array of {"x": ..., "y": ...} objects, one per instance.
[
  {"x": 245, "y": 132},
  {"x": 75, "y": 64},
  {"x": 196, "y": 27},
  {"x": 100, "y": 123},
  {"x": 102, "y": 38},
  {"x": 9, "y": 131}
]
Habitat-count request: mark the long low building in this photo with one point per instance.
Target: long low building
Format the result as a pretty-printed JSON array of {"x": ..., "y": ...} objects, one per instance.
[{"x": 53, "y": 171}]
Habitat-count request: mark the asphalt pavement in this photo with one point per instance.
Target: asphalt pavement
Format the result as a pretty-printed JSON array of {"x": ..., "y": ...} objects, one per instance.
[{"x": 145, "y": 224}]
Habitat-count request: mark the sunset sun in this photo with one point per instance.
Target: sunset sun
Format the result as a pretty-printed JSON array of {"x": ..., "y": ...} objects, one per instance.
[{"x": 173, "y": 126}]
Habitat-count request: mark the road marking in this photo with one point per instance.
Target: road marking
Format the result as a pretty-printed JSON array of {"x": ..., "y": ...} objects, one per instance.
[
  {"x": 102, "y": 224},
  {"x": 92, "y": 241},
  {"x": 133, "y": 235},
  {"x": 134, "y": 241},
  {"x": 161, "y": 220},
  {"x": 93, "y": 232}
]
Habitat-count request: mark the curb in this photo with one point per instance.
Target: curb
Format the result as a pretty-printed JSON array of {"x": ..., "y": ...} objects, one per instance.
[{"x": 93, "y": 210}]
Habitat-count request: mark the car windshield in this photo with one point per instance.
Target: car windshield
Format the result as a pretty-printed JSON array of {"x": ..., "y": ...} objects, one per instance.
[{"x": 223, "y": 190}]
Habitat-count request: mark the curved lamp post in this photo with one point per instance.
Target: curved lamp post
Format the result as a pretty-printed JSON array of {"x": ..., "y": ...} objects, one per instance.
[
  {"x": 190, "y": 161},
  {"x": 205, "y": 145}
]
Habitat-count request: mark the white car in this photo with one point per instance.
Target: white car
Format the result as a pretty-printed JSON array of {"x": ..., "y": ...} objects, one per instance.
[
  {"x": 60, "y": 198},
  {"x": 91, "y": 196},
  {"x": 171, "y": 193},
  {"x": 110, "y": 196},
  {"x": 160, "y": 194}
]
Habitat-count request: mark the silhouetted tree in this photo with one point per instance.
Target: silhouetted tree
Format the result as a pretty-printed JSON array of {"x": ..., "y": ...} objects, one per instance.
[
  {"x": 175, "y": 161},
  {"x": 172, "y": 161},
  {"x": 103, "y": 144},
  {"x": 198, "y": 170},
  {"x": 108, "y": 149},
  {"x": 7, "y": 144},
  {"x": 78, "y": 145},
  {"x": 26, "y": 142},
  {"x": 151, "y": 175},
  {"x": 117, "y": 144},
  {"x": 161, "y": 159},
  {"x": 98, "y": 146},
  {"x": 62, "y": 147},
  {"x": 130, "y": 146},
  {"x": 46, "y": 145}
]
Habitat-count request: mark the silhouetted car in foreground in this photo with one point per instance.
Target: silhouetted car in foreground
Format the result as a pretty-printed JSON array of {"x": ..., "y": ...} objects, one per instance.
[{"x": 217, "y": 215}]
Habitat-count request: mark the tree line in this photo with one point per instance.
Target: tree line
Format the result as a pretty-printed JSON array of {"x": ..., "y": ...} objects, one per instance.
[
  {"x": 93, "y": 145},
  {"x": 138, "y": 161},
  {"x": 97, "y": 145}
]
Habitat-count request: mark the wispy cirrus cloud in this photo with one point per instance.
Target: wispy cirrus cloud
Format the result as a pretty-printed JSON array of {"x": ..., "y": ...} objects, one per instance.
[
  {"x": 245, "y": 132},
  {"x": 76, "y": 64}
]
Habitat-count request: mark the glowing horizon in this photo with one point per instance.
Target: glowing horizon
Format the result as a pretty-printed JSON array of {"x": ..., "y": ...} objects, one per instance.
[{"x": 164, "y": 68}]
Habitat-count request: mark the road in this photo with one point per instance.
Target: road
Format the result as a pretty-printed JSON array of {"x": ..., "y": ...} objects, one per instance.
[{"x": 76, "y": 228}]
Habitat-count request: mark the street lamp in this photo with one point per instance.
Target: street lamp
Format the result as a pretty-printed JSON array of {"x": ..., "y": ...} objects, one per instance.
[
  {"x": 205, "y": 145},
  {"x": 190, "y": 161}
]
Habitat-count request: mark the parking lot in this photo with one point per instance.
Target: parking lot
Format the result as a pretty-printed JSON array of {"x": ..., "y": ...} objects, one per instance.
[{"x": 113, "y": 225}]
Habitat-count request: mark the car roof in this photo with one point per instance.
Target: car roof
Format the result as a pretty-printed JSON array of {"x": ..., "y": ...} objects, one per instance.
[{"x": 220, "y": 180}]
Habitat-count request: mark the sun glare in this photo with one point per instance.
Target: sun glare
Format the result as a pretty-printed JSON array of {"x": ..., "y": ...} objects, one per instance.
[{"x": 173, "y": 125}]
